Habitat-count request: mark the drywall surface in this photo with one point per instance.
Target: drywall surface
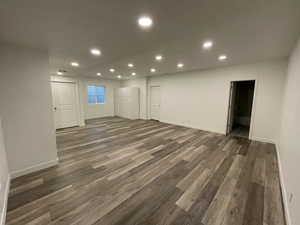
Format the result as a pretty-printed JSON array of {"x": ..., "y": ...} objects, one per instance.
[
  {"x": 289, "y": 144},
  {"x": 25, "y": 107},
  {"x": 200, "y": 99},
  {"x": 4, "y": 178},
  {"x": 89, "y": 111},
  {"x": 141, "y": 83}
]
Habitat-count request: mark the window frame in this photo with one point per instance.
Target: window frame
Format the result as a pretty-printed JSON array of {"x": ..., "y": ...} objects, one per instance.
[{"x": 97, "y": 103}]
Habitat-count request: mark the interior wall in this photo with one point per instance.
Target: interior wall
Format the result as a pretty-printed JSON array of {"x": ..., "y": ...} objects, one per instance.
[
  {"x": 4, "y": 178},
  {"x": 200, "y": 99},
  {"x": 89, "y": 111},
  {"x": 25, "y": 107},
  {"x": 141, "y": 83},
  {"x": 288, "y": 144}
]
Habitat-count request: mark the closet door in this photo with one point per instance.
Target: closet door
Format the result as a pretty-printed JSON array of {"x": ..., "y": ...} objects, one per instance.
[
  {"x": 155, "y": 102},
  {"x": 64, "y": 105}
]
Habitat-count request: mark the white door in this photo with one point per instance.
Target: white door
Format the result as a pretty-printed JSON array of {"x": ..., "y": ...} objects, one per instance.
[
  {"x": 155, "y": 103},
  {"x": 64, "y": 104}
]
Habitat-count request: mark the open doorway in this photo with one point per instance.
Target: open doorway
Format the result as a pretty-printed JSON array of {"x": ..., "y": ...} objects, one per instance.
[{"x": 240, "y": 108}]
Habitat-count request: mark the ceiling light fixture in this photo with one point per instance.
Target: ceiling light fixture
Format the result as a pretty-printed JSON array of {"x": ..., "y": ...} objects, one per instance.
[
  {"x": 119, "y": 76},
  {"x": 222, "y": 57},
  {"x": 153, "y": 70},
  {"x": 145, "y": 22},
  {"x": 95, "y": 51},
  {"x": 133, "y": 74},
  {"x": 75, "y": 64},
  {"x": 130, "y": 65},
  {"x": 99, "y": 74},
  {"x": 112, "y": 70},
  {"x": 180, "y": 65},
  {"x": 158, "y": 57},
  {"x": 59, "y": 73},
  {"x": 207, "y": 44}
]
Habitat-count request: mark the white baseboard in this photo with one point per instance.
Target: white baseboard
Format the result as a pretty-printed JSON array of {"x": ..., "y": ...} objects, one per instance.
[
  {"x": 4, "y": 209},
  {"x": 266, "y": 140},
  {"x": 283, "y": 189},
  {"x": 216, "y": 131},
  {"x": 34, "y": 168},
  {"x": 191, "y": 126}
]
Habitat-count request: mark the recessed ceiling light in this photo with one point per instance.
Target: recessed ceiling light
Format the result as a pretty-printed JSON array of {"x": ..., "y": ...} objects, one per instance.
[
  {"x": 145, "y": 22},
  {"x": 153, "y": 70},
  {"x": 95, "y": 51},
  {"x": 119, "y": 76},
  {"x": 158, "y": 57},
  {"x": 207, "y": 44},
  {"x": 98, "y": 74},
  {"x": 75, "y": 64},
  {"x": 112, "y": 70},
  {"x": 130, "y": 65},
  {"x": 59, "y": 73},
  {"x": 222, "y": 57},
  {"x": 133, "y": 74},
  {"x": 180, "y": 65}
]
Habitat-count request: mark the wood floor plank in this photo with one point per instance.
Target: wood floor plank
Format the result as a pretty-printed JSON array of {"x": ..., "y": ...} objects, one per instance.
[
  {"x": 255, "y": 205},
  {"x": 190, "y": 195},
  {"x": 117, "y": 171},
  {"x": 219, "y": 206}
]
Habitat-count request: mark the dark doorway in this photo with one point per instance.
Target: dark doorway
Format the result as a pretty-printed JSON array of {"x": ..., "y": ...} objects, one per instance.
[{"x": 240, "y": 108}]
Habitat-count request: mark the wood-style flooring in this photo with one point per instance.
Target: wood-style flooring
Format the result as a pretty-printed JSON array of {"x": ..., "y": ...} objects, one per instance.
[{"x": 116, "y": 171}]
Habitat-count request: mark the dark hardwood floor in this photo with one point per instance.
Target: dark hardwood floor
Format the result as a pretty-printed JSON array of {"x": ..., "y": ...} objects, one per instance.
[{"x": 116, "y": 171}]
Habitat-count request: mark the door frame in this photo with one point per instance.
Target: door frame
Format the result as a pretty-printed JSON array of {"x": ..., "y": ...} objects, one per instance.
[
  {"x": 231, "y": 102},
  {"x": 253, "y": 110},
  {"x": 150, "y": 101},
  {"x": 77, "y": 102}
]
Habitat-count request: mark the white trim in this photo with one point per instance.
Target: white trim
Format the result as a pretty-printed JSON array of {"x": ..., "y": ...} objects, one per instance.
[
  {"x": 190, "y": 126},
  {"x": 266, "y": 140},
  {"x": 253, "y": 110},
  {"x": 34, "y": 168},
  {"x": 4, "y": 209},
  {"x": 283, "y": 189},
  {"x": 262, "y": 139}
]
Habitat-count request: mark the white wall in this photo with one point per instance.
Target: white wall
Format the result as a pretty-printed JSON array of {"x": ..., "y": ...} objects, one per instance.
[
  {"x": 4, "y": 178},
  {"x": 200, "y": 99},
  {"x": 289, "y": 144},
  {"x": 89, "y": 111},
  {"x": 141, "y": 83},
  {"x": 25, "y": 107}
]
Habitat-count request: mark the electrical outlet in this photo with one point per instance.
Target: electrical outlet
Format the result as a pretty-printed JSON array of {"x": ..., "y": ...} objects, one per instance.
[{"x": 291, "y": 197}]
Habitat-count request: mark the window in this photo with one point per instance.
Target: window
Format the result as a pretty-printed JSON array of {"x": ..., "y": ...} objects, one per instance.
[{"x": 96, "y": 94}]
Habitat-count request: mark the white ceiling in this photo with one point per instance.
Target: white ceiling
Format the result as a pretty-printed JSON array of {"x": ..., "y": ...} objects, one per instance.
[{"x": 247, "y": 31}]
